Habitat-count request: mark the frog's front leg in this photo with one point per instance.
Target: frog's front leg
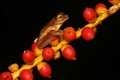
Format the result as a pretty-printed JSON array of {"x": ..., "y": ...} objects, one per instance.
[{"x": 48, "y": 38}]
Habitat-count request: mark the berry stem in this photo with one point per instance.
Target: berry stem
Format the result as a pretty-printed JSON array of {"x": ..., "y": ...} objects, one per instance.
[{"x": 27, "y": 66}]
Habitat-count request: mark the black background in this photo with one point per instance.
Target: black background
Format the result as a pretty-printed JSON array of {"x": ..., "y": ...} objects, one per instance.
[{"x": 21, "y": 22}]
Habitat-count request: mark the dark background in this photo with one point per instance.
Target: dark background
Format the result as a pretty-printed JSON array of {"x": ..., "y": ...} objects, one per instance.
[{"x": 21, "y": 22}]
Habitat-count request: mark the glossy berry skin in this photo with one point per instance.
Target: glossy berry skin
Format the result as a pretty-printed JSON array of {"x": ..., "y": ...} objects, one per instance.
[
  {"x": 87, "y": 33},
  {"x": 44, "y": 69},
  {"x": 48, "y": 53},
  {"x": 26, "y": 75},
  {"x": 69, "y": 52},
  {"x": 100, "y": 8},
  {"x": 28, "y": 56},
  {"x": 69, "y": 34},
  {"x": 89, "y": 15},
  {"x": 6, "y": 76}
]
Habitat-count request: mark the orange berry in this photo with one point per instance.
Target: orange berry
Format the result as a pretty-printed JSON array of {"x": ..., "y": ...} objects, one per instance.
[{"x": 100, "y": 8}]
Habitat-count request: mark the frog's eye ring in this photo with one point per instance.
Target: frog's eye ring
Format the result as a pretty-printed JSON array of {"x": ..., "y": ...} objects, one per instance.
[{"x": 59, "y": 17}]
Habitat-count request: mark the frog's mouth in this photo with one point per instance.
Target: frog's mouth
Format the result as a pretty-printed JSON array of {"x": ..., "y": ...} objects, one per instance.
[{"x": 66, "y": 17}]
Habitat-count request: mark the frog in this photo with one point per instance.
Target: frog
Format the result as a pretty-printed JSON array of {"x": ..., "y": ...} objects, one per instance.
[{"x": 51, "y": 29}]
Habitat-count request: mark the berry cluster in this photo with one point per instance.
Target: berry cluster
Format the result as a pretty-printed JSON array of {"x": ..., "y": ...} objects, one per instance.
[{"x": 59, "y": 45}]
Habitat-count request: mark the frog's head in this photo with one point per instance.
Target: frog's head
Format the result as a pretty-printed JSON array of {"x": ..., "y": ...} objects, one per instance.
[{"x": 60, "y": 19}]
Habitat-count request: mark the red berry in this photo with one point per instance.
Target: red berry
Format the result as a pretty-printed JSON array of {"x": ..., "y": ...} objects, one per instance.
[
  {"x": 34, "y": 46},
  {"x": 6, "y": 76},
  {"x": 89, "y": 14},
  {"x": 69, "y": 52},
  {"x": 100, "y": 8},
  {"x": 87, "y": 33},
  {"x": 35, "y": 49},
  {"x": 44, "y": 69},
  {"x": 48, "y": 53},
  {"x": 28, "y": 56},
  {"x": 69, "y": 34},
  {"x": 26, "y": 75}
]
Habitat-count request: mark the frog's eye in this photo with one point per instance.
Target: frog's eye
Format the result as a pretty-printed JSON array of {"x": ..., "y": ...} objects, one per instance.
[{"x": 60, "y": 17}]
